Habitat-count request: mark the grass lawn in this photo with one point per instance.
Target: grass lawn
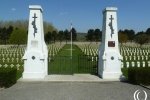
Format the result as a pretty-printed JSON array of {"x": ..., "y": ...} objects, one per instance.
[
  {"x": 63, "y": 63},
  {"x": 66, "y": 51}
]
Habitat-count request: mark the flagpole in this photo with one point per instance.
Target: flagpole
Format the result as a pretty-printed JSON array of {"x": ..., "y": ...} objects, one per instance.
[{"x": 71, "y": 41}]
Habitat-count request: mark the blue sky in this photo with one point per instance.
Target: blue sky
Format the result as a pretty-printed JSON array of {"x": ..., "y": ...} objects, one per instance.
[{"x": 84, "y": 14}]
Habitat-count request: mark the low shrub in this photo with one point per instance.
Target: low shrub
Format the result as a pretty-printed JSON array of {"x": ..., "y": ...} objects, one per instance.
[
  {"x": 8, "y": 77},
  {"x": 125, "y": 72},
  {"x": 139, "y": 75}
]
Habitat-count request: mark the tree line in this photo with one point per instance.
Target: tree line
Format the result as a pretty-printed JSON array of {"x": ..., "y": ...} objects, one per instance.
[
  {"x": 15, "y": 32},
  {"x": 123, "y": 36},
  {"x": 65, "y": 35},
  {"x": 131, "y": 36},
  {"x": 62, "y": 35}
]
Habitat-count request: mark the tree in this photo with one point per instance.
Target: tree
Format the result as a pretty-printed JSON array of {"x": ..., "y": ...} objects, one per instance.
[
  {"x": 89, "y": 35},
  {"x": 4, "y": 35},
  {"x": 148, "y": 31},
  {"x": 141, "y": 38},
  {"x": 74, "y": 34},
  {"x": 9, "y": 30},
  {"x": 60, "y": 36},
  {"x": 97, "y": 35},
  {"x": 23, "y": 24},
  {"x": 48, "y": 37},
  {"x": 7, "y": 27},
  {"x": 18, "y": 36},
  {"x": 54, "y": 35},
  {"x": 123, "y": 38},
  {"x": 67, "y": 36},
  {"x": 130, "y": 33},
  {"x": 48, "y": 27}
]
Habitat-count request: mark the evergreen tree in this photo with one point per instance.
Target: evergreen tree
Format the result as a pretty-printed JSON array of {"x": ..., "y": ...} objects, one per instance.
[{"x": 18, "y": 36}]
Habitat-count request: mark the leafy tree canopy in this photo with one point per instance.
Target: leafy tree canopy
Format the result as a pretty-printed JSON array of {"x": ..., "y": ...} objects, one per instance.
[{"x": 18, "y": 36}]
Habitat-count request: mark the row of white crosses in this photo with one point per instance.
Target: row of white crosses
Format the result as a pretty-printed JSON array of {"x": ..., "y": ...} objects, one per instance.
[
  {"x": 53, "y": 49},
  {"x": 132, "y": 55},
  {"x": 11, "y": 52},
  {"x": 136, "y": 64},
  {"x": 134, "y": 51},
  {"x": 11, "y": 60},
  {"x": 135, "y": 54},
  {"x": 89, "y": 49},
  {"x": 136, "y": 58},
  {"x": 11, "y": 56},
  {"x": 11, "y": 66}
]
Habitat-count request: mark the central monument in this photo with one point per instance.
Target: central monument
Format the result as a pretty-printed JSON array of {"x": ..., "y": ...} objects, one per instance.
[
  {"x": 109, "y": 66},
  {"x": 36, "y": 54}
]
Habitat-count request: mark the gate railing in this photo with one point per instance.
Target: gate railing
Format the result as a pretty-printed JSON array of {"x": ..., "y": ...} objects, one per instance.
[{"x": 74, "y": 64}]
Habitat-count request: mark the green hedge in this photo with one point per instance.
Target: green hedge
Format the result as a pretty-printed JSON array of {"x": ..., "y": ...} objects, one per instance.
[
  {"x": 139, "y": 75},
  {"x": 8, "y": 77},
  {"x": 125, "y": 72}
]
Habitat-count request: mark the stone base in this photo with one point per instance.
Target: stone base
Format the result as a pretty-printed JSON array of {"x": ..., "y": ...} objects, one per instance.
[
  {"x": 111, "y": 75},
  {"x": 35, "y": 75}
]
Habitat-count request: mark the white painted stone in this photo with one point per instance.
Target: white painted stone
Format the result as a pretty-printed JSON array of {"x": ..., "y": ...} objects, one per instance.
[
  {"x": 138, "y": 64},
  {"x": 130, "y": 57},
  {"x": 142, "y": 57},
  {"x": 11, "y": 65},
  {"x": 12, "y": 59},
  {"x": 36, "y": 54},
  {"x": 127, "y": 64},
  {"x": 17, "y": 66},
  {"x": 148, "y": 63},
  {"x": 5, "y": 65},
  {"x": 133, "y": 64},
  {"x": 138, "y": 57},
  {"x": 146, "y": 57},
  {"x": 110, "y": 59},
  {"x": 126, "y": 58},
  {"x": 143, "y": 63},
  {"x": 3, "y": 59},
  {"x": 17, "y": 59},
  {"x": 134, "y": 57}
]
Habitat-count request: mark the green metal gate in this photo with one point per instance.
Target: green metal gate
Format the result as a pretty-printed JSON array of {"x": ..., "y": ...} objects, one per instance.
[{"x": 72, "y": 65}]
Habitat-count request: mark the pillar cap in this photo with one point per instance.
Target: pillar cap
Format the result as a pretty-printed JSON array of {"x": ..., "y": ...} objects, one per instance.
[
  {"x": 35, "y": 7},
  {"x": 110, "y": 9}
]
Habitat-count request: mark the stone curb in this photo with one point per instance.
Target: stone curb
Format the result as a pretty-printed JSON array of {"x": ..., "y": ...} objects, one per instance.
[
  {"x": 147, "y": 87},
  {"x": 72, "y": 78},
  {"x": 61, "y": 81}
]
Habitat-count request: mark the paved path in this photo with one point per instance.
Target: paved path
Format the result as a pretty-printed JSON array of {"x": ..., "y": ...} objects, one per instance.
[{"x": 71, "y": 91}]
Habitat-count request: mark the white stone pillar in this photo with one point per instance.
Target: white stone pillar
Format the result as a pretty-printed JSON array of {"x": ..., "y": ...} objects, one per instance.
[
  {"x": 36, "y": 54},
  {"x": 109, "y": 55}
]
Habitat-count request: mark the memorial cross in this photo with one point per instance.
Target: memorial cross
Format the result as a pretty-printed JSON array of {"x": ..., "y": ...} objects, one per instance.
[
  {"x": 111, "y": 25},
  {"x": 34, "y": 25}
]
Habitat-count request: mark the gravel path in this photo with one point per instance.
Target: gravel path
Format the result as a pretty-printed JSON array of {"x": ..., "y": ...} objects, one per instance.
[{"x": 71, "y": 91}]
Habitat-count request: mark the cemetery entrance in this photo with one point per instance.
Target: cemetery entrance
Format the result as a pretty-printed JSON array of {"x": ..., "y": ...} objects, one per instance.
[{"x": 73, "y": 65}]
